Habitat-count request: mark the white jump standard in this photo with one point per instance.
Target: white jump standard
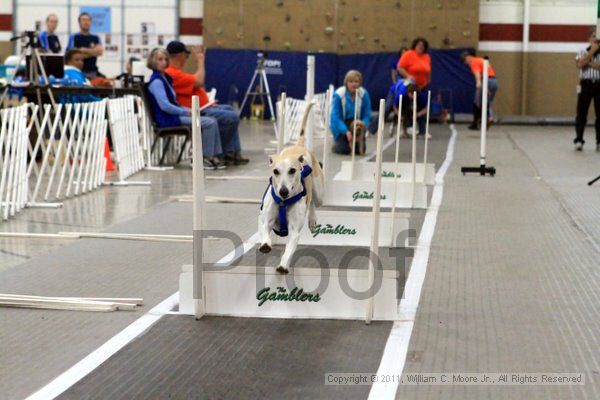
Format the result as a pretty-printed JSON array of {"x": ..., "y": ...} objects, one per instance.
[{"x": 306, "y": 292}]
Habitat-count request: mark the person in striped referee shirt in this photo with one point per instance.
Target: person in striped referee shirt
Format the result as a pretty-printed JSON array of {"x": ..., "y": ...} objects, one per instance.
[{"x": 588, "y": 62}]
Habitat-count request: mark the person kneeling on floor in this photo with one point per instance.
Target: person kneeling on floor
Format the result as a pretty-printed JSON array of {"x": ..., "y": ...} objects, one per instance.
[
  {"x": 168, "y": 112},
  {"x": 345, "y": 100},
  {"x": 408, "y": 89}
]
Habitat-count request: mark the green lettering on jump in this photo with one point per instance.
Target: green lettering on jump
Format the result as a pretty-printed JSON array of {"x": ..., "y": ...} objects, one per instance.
[
  {"x": 388, "y": 174},
  {"x": 281, "y": 294},
  {"x": 328, "y": 229},
  {"x": 364, "y": 195}
]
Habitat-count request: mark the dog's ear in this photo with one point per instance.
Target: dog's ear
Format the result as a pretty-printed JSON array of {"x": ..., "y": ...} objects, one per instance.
[{"x": 301, "y": 158}]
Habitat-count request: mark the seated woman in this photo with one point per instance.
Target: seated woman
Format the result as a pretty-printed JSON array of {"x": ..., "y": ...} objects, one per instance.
[
  {"x": 168, "y": 112},
  {"x": 345, "y": 100}
]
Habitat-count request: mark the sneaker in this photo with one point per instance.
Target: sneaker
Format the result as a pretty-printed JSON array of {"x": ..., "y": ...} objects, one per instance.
[
  {"x": 240, "y": 160},
  {"x": 473, "y": 126},
  {"x": 428, "y": 136},
  {"x": 404, "y": 135},
  {"x": 578, "y": 146},
  {"x": 218, "y": 164},
  {"x": 208, "y": 164}
]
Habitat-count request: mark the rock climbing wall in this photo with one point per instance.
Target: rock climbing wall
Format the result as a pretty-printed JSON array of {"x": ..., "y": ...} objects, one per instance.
[{"x": 341, "y": 26}]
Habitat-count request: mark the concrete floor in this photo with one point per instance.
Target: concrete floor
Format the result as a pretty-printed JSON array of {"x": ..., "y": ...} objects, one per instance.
[{"x": 512, "y": 283}]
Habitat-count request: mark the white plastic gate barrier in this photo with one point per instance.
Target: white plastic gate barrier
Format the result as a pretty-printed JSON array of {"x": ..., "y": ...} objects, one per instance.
[{"x": 13, "y": 160}]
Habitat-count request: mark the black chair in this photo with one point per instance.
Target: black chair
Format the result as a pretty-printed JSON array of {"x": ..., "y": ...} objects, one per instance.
[{"x": 165, "y": 132}]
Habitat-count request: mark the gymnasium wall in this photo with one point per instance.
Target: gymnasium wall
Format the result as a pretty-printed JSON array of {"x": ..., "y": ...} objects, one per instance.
[
  {"x": 339, "y": 26},
  {"x": 558, "y": 30}
]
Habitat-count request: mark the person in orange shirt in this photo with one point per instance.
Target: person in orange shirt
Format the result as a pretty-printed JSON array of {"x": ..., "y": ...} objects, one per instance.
[
  {"x": 188, "y": 85},
  {"x": 415, "y": 64},
  {"x": 469, "y": 57}
]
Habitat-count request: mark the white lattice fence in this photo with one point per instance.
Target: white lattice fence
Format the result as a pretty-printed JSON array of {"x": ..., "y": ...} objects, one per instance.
[
  {"x": 294, "y": 112},
  {"x": 126, "y": 135},
  {"x": 13, "y": 160},
  {"x": 71, "y": 141}
]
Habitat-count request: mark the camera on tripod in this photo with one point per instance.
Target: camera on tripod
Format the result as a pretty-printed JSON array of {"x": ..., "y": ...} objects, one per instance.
[{"x": 31, "y": 36}]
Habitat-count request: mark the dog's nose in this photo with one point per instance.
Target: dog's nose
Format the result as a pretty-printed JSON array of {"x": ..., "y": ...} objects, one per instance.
[{"x": 284, "y": 192}]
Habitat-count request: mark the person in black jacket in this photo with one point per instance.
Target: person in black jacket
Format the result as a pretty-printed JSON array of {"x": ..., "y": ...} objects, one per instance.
[{"x": 588, "y": 62}]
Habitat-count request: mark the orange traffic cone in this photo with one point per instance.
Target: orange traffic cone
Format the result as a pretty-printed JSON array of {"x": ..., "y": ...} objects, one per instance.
[{"x": 109, "y": 164}]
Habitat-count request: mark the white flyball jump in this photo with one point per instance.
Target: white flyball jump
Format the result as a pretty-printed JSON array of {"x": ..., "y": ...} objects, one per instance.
[
  {"x": 258, "y": 291},
  {"x": 406, "y": 192}
]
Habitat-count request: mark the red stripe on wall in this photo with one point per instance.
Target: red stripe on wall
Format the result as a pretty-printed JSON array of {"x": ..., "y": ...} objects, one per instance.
[
  {"x": 559, "y": 33},
  {"x": 537, "y": 32},
  {"x": 5, "y": 22},
  {"x": 190, "y": 26},
  {"x": 501, "y": 32}
]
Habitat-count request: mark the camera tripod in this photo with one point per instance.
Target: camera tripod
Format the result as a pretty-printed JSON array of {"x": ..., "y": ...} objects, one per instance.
[
  {"x": 34, "y": 67},
  {"x": 261, "y": 74}
]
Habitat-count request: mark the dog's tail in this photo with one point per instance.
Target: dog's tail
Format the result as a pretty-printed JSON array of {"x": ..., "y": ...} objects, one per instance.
[{"x": 301, "y": 137}]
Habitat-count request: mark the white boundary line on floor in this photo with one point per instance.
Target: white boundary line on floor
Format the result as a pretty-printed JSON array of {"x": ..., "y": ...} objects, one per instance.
[
  {"x": 78, "y": 371},
  {"x": 396, "y": 348}
]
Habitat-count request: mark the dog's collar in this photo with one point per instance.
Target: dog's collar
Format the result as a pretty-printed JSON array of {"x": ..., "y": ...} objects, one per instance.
[{"x": 284, "y": 204}]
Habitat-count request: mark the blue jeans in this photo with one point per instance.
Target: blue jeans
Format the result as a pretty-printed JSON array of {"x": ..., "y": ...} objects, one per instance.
[
  {"x": 211, "y": 140},
  {"x": 342, "y": 146},
  {"x": 492, "y": 89},
  {"x": 228, "y": 121}
]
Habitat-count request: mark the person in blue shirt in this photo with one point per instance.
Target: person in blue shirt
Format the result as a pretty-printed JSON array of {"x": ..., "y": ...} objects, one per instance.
[
  {"x": 408, "y": 89},
  {"x": 74, "y": 77},
  {"x": 345, "y": 99},
  {"x": 168, "y": 112},
  {"x": 48, "y": 40},
  {"x": 89, "y": 44}
]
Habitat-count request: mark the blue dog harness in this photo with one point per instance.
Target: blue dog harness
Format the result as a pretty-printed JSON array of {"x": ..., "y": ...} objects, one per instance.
[{"x": 283, "y": 204}]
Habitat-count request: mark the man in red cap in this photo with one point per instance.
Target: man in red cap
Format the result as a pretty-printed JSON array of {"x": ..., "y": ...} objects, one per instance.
[{"x": 188, "y": 85}]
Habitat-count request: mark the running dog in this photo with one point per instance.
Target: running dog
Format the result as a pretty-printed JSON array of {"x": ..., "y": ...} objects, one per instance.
[{"x": 295, "y": 190}]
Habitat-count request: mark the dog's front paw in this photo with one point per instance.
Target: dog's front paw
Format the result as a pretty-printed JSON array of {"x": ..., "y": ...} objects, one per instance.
[
  {"x": 282, "y": 270},
  {"x": 264, "y": 248}
]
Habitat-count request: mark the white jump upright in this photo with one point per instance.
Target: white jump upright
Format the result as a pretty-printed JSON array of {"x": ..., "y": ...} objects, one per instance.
[
  {"x": 326, "y": 150},
  {"x": 482, "y": 169},
  {"x": 310, "y": 94},
  {"x": 261, "y": 291},
  {"x": 374, "y": 248},
  {"x": 199, "y": 206}
]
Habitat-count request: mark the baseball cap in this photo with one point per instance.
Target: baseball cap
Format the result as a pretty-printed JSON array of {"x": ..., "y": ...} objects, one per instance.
[{"x": 176, "y": 47}]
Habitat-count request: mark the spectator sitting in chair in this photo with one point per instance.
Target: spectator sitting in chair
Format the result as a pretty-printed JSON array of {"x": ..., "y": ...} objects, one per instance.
[
  {"x": 74, "y": 77},
  {"x": 345, "y": 100},
  {"x": 408, "y": 89},
  {"x": 73, "y": 65},
  {"x": 168, "y": 112},
  {"x": 188, "y": 85}
]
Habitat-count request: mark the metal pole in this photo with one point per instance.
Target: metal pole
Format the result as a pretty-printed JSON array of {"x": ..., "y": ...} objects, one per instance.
[
  {"x": 484, "y": 113},
  {"x": 426, "y": 135},
  {"x": 414, "y": 149},
  {"x": 525, "y": 55},
  {"x": 328, "y": 101}
]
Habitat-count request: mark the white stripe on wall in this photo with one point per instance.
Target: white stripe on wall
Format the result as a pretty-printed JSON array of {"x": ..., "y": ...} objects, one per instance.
[
  {"x": 534, "y": 47},
  {"x": 191, "y": 39},
  {"x": 559, "y": 12}
]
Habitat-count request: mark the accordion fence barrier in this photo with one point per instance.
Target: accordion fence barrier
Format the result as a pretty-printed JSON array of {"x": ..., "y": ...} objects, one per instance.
[{"x": 49, "y": 154}]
